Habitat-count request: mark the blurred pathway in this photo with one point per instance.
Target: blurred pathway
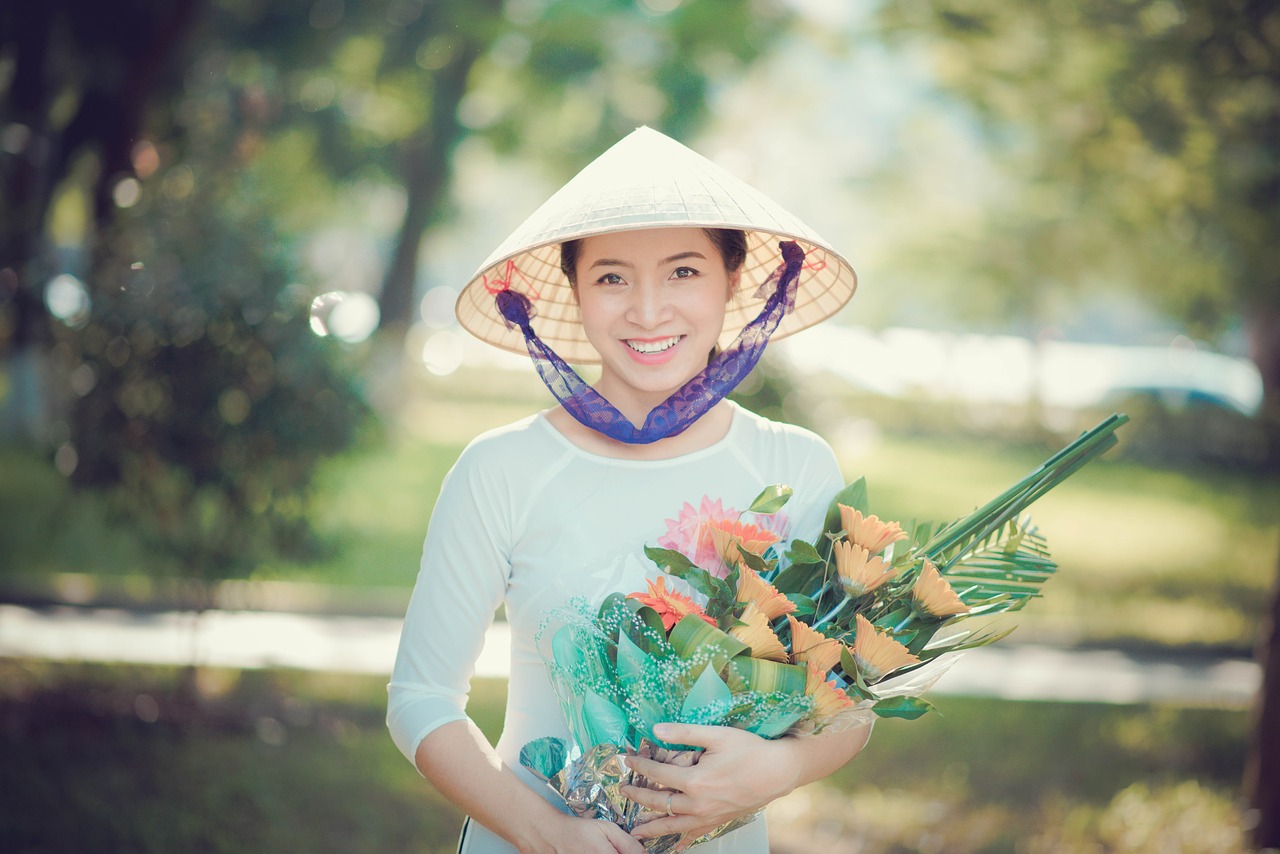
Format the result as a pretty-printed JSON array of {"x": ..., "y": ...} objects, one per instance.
[{"x": 258, "y": 639}]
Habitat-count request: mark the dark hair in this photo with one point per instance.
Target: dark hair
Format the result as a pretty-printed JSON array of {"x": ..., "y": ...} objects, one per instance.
[{"x": 731, "y": 243}]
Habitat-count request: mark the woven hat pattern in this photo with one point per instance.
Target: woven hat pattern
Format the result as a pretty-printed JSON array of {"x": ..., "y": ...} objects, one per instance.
[{"x": 647, "y": 180}]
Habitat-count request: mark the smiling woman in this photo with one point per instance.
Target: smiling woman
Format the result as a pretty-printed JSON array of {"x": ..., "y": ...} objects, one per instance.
[{"x": 646, "y": 262}]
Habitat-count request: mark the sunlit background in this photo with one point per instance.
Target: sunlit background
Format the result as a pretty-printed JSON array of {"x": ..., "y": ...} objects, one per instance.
[{"x": 231, "y": 237}]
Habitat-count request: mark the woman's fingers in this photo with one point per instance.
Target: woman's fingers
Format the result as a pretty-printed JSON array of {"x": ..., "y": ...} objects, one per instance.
[
  {"x": 622, "y": 842},
  {"x": 660, "y": 774}
]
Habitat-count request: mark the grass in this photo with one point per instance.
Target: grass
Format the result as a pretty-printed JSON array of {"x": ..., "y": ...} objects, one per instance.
[
  {"x": 119, "y": 759},
  {"x": 1150, "y": 557}
]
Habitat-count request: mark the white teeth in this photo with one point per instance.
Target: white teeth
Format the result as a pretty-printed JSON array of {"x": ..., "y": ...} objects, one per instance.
[{"x": 654, "y": 346}]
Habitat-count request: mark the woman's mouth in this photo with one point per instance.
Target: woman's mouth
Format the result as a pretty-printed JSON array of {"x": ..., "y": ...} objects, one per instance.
[
  {"x": 653, "y": 351},
  {"x": 650, "y": 346}
]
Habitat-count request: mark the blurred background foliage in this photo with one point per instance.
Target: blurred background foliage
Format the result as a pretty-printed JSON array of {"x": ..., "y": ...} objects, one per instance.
[{"x": 228, "y": 235}]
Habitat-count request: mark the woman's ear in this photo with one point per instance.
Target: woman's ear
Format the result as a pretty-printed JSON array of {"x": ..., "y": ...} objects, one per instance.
[{"x": 734, "y": 278}]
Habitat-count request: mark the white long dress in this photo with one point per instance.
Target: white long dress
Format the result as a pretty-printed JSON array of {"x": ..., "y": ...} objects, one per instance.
[{"x": 527, "y": 519}]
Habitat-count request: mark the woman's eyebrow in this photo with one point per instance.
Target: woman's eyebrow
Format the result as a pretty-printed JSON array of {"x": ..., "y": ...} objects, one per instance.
[
  {"x": 615, "y": 262},
  {"x": 681, "y": 256},
  {"x": 610, "y": 262}
]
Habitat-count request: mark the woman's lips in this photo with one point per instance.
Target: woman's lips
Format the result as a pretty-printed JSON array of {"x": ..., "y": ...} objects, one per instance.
[{"x": 653, "y": 351}]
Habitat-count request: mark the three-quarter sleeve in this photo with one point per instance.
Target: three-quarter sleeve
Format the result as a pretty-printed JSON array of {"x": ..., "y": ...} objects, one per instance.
[{"x": 466, "y": 561}]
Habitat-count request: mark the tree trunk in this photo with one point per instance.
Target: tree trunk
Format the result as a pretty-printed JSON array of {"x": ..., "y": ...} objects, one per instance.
[
  {"x": 1262, "y": 768},
  {"x": 426, "y": 181},
  {"x": 1262, "y": 771}
]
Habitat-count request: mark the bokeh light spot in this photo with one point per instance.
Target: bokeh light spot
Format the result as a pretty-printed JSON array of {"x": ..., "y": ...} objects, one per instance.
[
  {"x": 146, "y": 159},
  {"x": 127, "y": 192},
  {"x": 68, "y": 300},
  {"x": 437, "y": 307},
  {"x": 233, "y": 406},
  {"x": 179, "y": 182},
  {"x": 354, "y": 318},
  {"x": 83, "y": 379},
  {"x": 65, "y": 459},
  {"x": 442, "y": 352},
  {"x": 348, "y": 316}
]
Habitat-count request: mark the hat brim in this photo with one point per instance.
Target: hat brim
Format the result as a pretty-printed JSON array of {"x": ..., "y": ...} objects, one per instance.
[{"x": 648, "y": 181}]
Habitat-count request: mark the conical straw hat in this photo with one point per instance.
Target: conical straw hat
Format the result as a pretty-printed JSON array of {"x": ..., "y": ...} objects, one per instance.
[{"x": 647, "y": 180}]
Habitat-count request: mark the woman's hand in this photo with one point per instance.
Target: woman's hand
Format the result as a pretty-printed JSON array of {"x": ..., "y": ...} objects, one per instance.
[
  {"x": 565, "y": 834},
  {"x": 738, "y": 774}
]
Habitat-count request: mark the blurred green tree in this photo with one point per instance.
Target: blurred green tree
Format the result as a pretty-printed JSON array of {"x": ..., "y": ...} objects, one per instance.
[
  {"x": 198, "y": 396},
  {"x": 1141, "y": 137},
  {"x": 163, "y": 150}
]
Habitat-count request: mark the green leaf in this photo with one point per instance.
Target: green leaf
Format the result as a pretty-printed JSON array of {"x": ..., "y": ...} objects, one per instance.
[
  {"x": 773, "y": 499},
  {"x": 754, "y": 560},
  {"x": 799, "y": 578},
  {"x": 847, "y": 664},
  {"x": 907, "y": 708},
  {"x": 669, "y": 559},
  {"x": 802, "y": 552},
  {"x": 804, "y": 605},
  {"x": 854, "y": 495}
]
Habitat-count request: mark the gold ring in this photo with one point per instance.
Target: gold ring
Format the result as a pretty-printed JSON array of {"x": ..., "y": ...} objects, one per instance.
[{"x": 670, "y": 795}]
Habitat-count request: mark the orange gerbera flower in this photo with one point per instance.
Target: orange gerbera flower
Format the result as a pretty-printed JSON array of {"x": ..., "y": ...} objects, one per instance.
[
  {"x": 829, "y": 699},
  {"x": 756, "y": 634},
  {"x": 730, "y": 535},
  {"x": 809, "y": 646},
  {"x": 860, "y": 572},
  {"x": 753, "y": 588},
  {"x": 869, "y": 531},
  {"x": 934, "y": 595},
  {"x": 876, "y": 654},
  {"x": 670, "y": 605}
]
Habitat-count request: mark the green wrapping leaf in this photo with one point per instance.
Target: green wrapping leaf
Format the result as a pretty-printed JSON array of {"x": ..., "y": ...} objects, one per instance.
[
  {"x": 646, "y": 630},
  {"x": 907, "y": 708},
  {"x": 773, "y": 499},
  {"x": 545, "y": 756},
  {"x": 692, "y": 634},
  {"x": 777, "y": 723},
  {"x": 708, "y": 690},
  {"x": 632, "y": 664},
  {"x": 565, "y": 651},
  {"x": 606, "y": 723},
  {"x": 758, "y": 674},
  {"x": 651, "y": 713},
  {"x": 610, "y": 603},
  {"x": 854, "y": 495},
  {"x": 802, "y": 552}
]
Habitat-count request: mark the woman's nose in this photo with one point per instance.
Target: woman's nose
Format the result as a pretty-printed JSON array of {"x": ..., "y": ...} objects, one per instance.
[{"x": 649, "y": 306}]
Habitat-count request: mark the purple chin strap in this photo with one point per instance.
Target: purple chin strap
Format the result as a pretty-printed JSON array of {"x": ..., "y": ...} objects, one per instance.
[{"x": 694, "y": 398}]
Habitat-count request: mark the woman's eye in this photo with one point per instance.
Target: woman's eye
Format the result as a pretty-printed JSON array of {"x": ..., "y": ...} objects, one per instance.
[
  {"x": 609, "y": 279},
  {"x": 684, "y": 272}
]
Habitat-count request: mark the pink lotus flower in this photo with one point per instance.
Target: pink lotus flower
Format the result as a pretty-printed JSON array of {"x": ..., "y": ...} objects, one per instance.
[{"x": 694, "y": 533}]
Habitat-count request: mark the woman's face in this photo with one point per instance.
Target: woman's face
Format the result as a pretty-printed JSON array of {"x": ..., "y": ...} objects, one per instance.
[{"x": 653, "y": 304}]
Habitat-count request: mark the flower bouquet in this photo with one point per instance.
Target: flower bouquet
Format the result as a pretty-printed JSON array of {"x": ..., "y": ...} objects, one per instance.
[{"x": 787, "y": 641}]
